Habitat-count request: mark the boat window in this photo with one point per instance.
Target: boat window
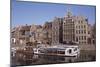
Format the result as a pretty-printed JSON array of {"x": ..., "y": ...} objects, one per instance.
[
  {"x": 38, "y": 50},
  {"x": 75, "y": 49},
  {"x": 61, "y": 52},
  {"x": 70, "y": 51}
]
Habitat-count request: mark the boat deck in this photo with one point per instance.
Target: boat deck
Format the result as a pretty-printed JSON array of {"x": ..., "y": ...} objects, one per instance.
[{"x": 52, "y": 54}]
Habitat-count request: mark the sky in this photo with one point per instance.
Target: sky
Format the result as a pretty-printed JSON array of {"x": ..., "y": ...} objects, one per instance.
[{"x": 38, "y": 13}]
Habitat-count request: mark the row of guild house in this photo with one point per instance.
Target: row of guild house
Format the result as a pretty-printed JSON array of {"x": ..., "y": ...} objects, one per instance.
[
  {"x": 72, "y": 28},
  {"x": 62, "y": 30},
  {"x": 31, "y": 33}
]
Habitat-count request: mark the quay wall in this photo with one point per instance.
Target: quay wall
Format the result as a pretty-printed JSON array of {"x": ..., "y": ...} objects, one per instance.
[
  {"x": 87, "y": 47},
  {"x": 81, "y": 46}
]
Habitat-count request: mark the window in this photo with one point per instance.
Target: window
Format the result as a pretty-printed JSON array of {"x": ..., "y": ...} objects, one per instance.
[
  {"x": 84, "y": 26},
  {"x": 75, "y": 49},
  {"x": 84, "y": 31},
  {"x": 61, "y": 52},
  {"x": 70, "y": 51},
  {"x": 79, "y": 31},
  {"x": 76, "y": 39},
  {"x": 79, "y": 27},
  {"x": 79, "y": 38},
  {"x": 81, "y": 21},
  {"x": 76, "y": 31},
  {"x": 88, "y": 32},
  {"x": 76, "y": 26},
  {"x": 23, "y": 32},
  {"x": 84, "y": 37},
  {"x": 73, "y": 38},
  {"x": 84, "y": 42}
]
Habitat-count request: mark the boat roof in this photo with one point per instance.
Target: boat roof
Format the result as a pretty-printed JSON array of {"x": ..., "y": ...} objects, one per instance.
[
  {"x": 65, "y": 46},
  {"x": 55, "y": 49}
]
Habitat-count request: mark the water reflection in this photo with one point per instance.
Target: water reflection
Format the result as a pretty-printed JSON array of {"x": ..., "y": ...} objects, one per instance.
[{"x": 30, "y": 59}]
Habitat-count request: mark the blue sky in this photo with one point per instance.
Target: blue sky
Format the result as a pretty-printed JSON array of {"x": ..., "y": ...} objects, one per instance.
[{"x": 38, "y": 13}]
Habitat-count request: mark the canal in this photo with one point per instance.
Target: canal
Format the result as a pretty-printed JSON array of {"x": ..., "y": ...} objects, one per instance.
[{"x": 21, "y": 59}]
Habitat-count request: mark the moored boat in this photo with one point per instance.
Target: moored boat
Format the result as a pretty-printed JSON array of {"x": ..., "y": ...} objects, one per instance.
[{"x": 58, "y": 50}]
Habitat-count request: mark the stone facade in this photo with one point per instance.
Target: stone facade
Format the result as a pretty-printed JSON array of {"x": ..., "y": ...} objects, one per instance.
[
  {"x": 81, "y": 30},
  {"x": 41, "y": 34},
  {"x": 35, "y": 32},
  {"x": 57, "y": 30},
  {"x": 63, "y": 30},
  {"x": 20, "y": 35},
  {"x": 70, "y": 29},
  {"x": 47, "y": 33},
  {"x": 92, "y": 34}
]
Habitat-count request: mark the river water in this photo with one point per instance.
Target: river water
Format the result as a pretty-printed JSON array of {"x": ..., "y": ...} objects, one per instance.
[{"x": 30, "y": 59}]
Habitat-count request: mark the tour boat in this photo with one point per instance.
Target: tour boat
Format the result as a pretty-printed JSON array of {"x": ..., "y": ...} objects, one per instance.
[{"x": 60, "y": 50}]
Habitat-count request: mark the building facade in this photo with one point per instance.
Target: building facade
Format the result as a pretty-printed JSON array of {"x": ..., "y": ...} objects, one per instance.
[
  {"x": 20, "y": 35},
  {"x": 57, "y": 29},
  {"x": 35, "y": 31},
  {"x": 70, "y": 29},
  {"x": 41, "y": 34},
  {"x": 47, "y": 33},
  {"x": 81, "y": 30}
]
